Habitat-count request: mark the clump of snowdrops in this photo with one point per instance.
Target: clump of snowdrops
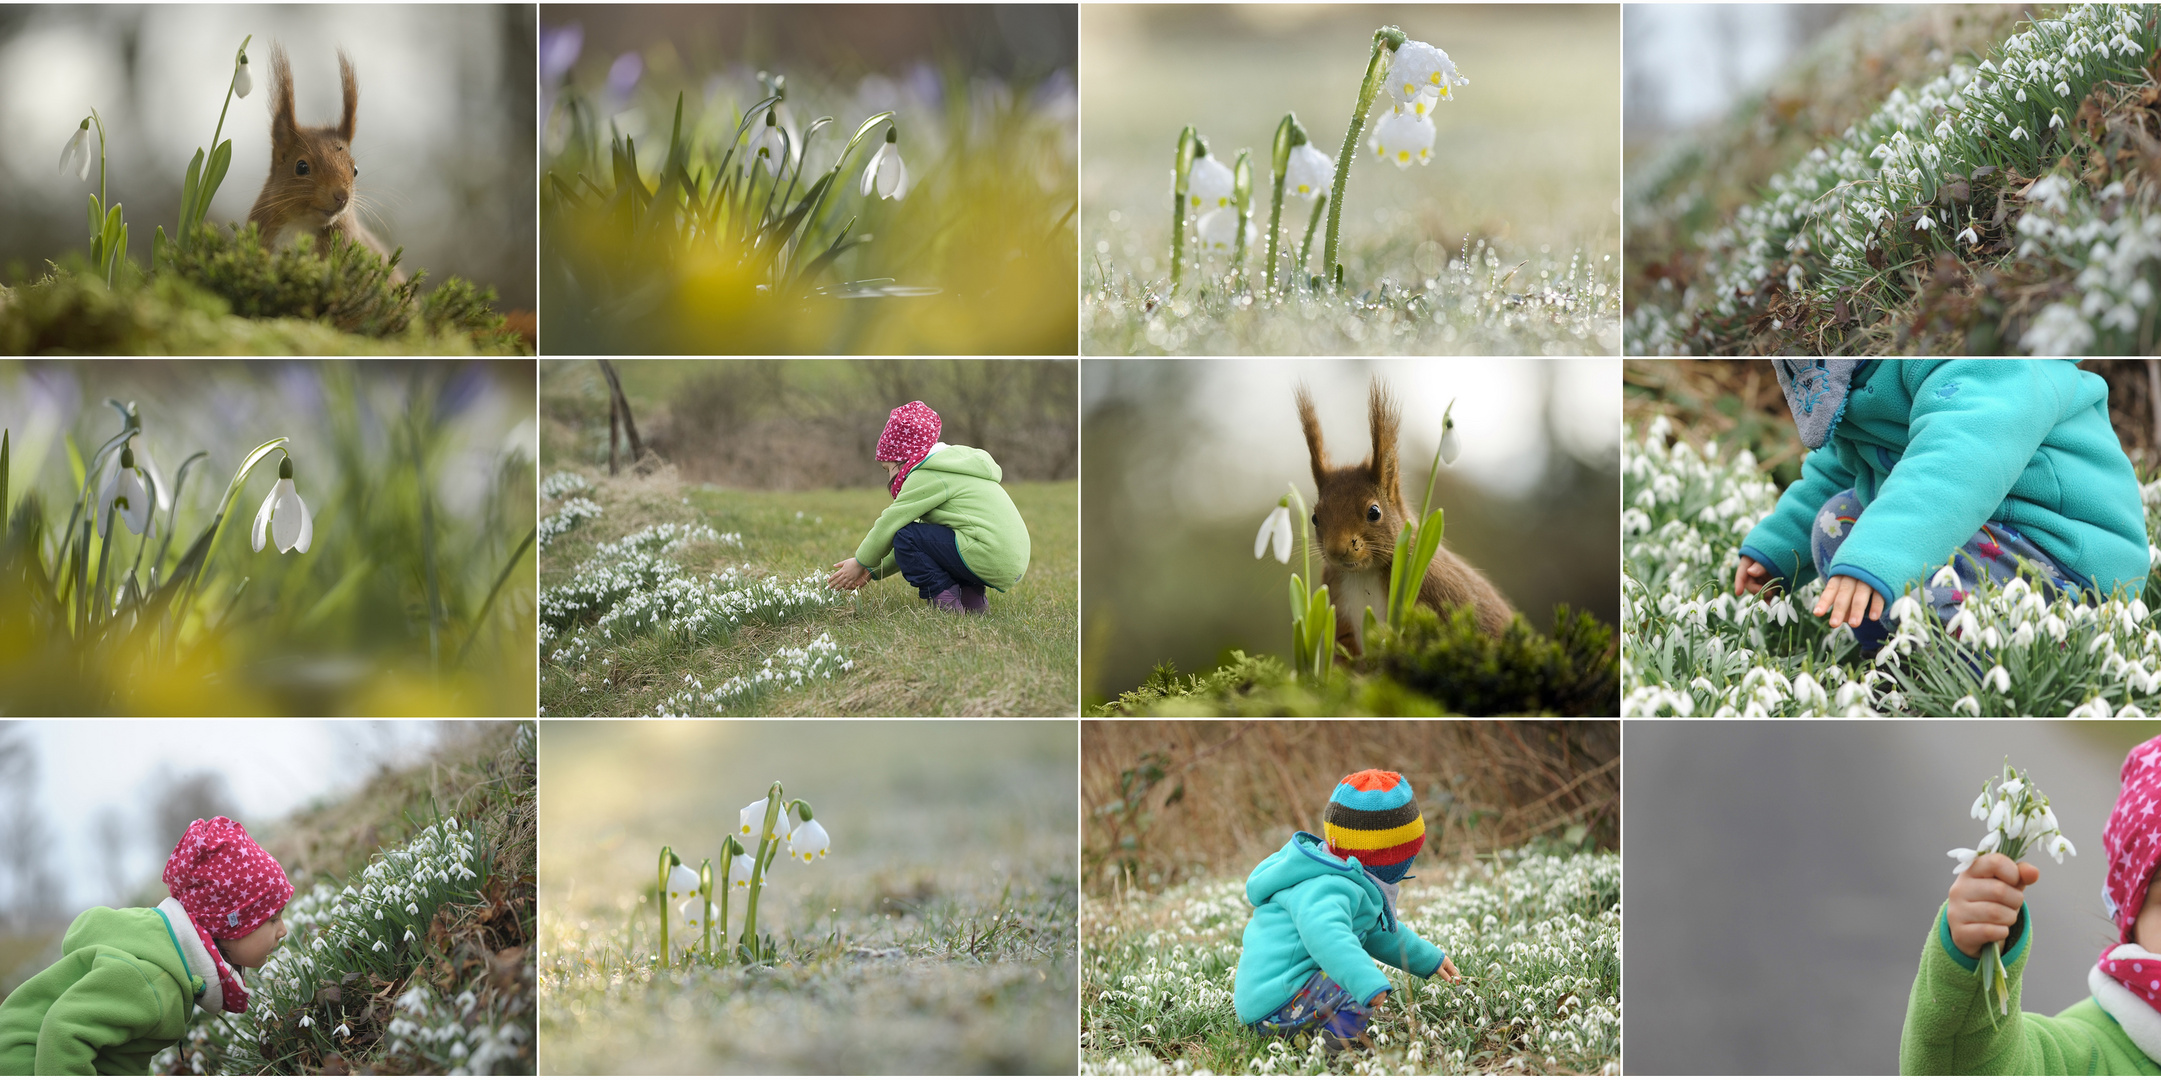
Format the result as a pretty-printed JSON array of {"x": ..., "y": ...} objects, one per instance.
[
  {"x": 1536, "y": 934},
  {"x": 2019, "y": 821},
  {"x": 1970, "y": 167},
  {"x": 1691, "y": 648}
]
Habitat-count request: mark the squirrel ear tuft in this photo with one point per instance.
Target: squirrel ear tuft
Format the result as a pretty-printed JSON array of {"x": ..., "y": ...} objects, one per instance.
[
  {"x": 351, "y": 86},
  {"x": 284, "y": 129},
  {"x": 1311, "y": 421},
  {"x": 1384, "y": 419}
]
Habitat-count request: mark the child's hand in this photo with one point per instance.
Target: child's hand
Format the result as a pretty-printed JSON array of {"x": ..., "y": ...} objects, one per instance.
[
  {"x": 1985, "y": 900},
  {"x": 1751, "y": 576},
  {"x": 1448, "y": 970},
  {"x": 1846, "y": 599},
  {"x": 848, "y": 574}
]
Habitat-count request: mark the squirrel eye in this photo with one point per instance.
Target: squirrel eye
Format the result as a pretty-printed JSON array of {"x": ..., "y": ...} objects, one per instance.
[
  {"x": 300, "y": 168},
  {"x": 1373, "y": 512},
  {"x": 1316, "y": 520}
]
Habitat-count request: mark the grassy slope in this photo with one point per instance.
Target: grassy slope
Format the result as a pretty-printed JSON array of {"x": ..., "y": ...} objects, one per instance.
[
  {"x": 909, "y": 660},
  {"x": 939, "y": 936}
]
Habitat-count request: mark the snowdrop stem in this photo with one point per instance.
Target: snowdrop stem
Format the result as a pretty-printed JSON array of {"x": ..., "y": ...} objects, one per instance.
[
  {"x": 1279, "y": 163},
  {"x": 225, "y": 505},
  {"x": 1181, "y": 171},
  {"x": 1242, "y": 194},
  {"x": 1313, "y": 224},
  {"x": 131, "y": 425},
  {"x": 767, "y": 847},
  {"x": 1385, "y": 42},
  {"x": 100, "y": 122},
  {"x": 240, "y": 57},
  {"x": 705, "y": 911},
  {"x": 660, "y": 897},
  {"x": 105, "y": 558}
]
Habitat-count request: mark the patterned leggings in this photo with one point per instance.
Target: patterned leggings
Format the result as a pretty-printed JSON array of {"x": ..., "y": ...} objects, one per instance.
[{"x": 1322, "y": 1004}]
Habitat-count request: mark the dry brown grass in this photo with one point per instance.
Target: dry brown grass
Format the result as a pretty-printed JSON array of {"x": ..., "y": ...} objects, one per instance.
[{"x": 1169, "y": 800}]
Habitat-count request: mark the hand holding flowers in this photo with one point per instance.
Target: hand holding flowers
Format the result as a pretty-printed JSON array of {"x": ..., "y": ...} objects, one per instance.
[{"x": 1985, "y": 900}]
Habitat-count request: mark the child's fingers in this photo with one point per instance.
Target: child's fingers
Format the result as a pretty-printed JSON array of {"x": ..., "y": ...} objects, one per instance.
[
  {"x": 2028, "y": 874},
  {"x": 1996, "y": 866},
  {"x": 1832, "y": 598}
]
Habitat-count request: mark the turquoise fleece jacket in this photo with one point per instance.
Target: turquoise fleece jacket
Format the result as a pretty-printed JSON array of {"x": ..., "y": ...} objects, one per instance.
[
  {"x": 1935, "y": 448},
  {"x": 121, "y": 992},
  {"x": 957, "y": 487},
  {"x": 1315, "y": 912},
  {"x": 1948, "y": 1030}
]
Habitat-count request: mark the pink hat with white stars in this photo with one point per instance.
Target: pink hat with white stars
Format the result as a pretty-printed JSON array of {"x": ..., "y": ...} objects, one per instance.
[
  {"x": 2133, "y": 843},
  {"x": 910, "y": 432},
  {"x": 229, "y": 886}
]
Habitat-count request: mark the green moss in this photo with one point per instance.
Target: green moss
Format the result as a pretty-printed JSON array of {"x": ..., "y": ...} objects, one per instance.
[
  {"x": 1430, "y": 667},
  {"x": 229, "y": 294}
]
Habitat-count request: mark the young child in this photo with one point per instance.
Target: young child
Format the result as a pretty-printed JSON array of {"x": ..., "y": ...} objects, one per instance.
[
  {"x": 2117, "y": 1030},
  {"x": 951, "y": 532},
  {"x": 1324, "y": 911},
  {"x": 122, "y": 989},
  {"x": 1982, "y": 464}
]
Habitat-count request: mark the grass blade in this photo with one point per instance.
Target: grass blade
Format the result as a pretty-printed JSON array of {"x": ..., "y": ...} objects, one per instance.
[{"x": 480, "y": 615}]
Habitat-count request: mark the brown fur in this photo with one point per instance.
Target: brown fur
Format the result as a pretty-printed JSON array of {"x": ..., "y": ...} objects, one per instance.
[
  {"x": 323, "y": 202},
  {"x": 1352, "y": 544}
]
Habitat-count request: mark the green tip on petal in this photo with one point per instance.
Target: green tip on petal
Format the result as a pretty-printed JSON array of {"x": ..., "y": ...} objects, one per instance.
[
  {"x": 285, "y": 469},
  {"x": 127, "y": 457},
  {"x": 891, "y": 135}
]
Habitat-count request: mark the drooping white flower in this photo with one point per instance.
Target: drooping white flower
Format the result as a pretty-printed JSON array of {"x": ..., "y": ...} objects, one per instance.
[
  {"x": 886, "y": 173},
  {"x": 693, "y": 915},
  {"x": 1209, "y": 185},
  {"x": 1403, "y": 137},
  {"x": 1980, "y": 807},
  {"x": 342, "y": 1031},
  {"x": 1275, "y": 532},
  {"x": 682, "y": 883},
  {"x": 1967, "y": 705},
  {"x": 1990, "y": 842},
  {"x": 1309, "y": 173},
  {"x": 1218, "y": 230},
  {"x": 1969, "y": 236},
  {"x": 242, "y": 81},
  {"x": 77, "y": 151},
  {"x": 1965, "y": 857},
  {"x": 808, "y": 841},
  {"x": 2011, "y": 788},
  {"x": 2000, "y": 812},
  {"x": 284, "y": 515},
  {"x": 306, "y": 1021},
  {"x": 753, "y": 817},
  {"x": 1925, "y": 224},
  {"x": 1946, "y": 578},
  {"x": 2059, "y": 846},
  {"x": 2019, "y": 132},
  {"x": 126, "y": 495},
  {"x": 1450, "y": 445},
  {"x": 769, "y": 148},
  {"x": 739, "y": 871},
  {"x": 1998, "y": 678},
  {"x": 1420, "y": 70}
]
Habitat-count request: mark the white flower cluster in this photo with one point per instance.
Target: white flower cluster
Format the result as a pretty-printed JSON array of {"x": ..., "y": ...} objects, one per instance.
[
  {"x": 2019, "y": 819},
  {"x": 1536, "y": 935},
  {"x": 632, "y": 586},
  {"x": 789, "y": 668},
  {"x": 1903, "y": 180},
  {"x": 1692, "y": 648},
  {"x": 464, "y": 1035},
  {"x": 2109, "y": 245},
  {"x": 567, "y": 518},
  {"x": 563, "y": 483}
]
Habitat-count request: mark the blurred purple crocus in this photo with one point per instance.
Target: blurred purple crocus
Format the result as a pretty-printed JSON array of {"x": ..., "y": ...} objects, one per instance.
[
  {"x": 623, "y": 75},
  {"x": 559, "y": 49}
]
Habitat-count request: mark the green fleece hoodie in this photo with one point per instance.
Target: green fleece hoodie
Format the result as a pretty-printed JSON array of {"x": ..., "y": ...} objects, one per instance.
[
  {"x": 1935, "y": 448},
  {"x": 1315, "y": 912},
  {"x": 957, "y": 487},
  {"x": 1948, "y": 1030},
  {"x": 121, "y": 992}
]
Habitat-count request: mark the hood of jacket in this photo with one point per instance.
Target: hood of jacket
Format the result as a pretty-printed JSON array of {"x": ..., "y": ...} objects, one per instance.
[
  {"x": 1306, "y": 857},
  {"x": 962, "y": 461},
  {"x": 140, "y": 933}
]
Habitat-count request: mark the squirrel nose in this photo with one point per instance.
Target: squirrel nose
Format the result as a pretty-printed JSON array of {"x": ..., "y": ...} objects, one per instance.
[{"x": 342, "y": 198}]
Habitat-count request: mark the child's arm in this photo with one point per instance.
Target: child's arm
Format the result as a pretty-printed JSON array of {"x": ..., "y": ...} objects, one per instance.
[
  {"x": 920, "y": 495},
  {"x": 1948, "y": 1028},
  {"x": 1323, "y": 910},
  {"x": 1779, "y": 544},
  {"x": 110, "y": 1005},
  {"x": 1403, "y": 949}
]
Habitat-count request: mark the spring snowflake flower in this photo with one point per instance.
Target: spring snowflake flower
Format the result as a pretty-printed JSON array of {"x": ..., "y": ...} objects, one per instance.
[
  {"x": 682, "y": 883},
  {"x": 754, "y": 815},
  {"x": 739, "y": 872},
  {"x": 77, "y": 151},
  {"x": 886, "y": 173},
  {"x": 126, "y": 496},
  {"x": 1275, "y": 532},
  {"x": 693, "y": 915},
  {"x": 1209, "y": 185},
  {"x": 1309, "y": 173},
  {"x": 808, "y": 841},
  {"x": 284, "y": 515},
  {"x": 1403, "y": 137},
  {"x": 1218, "y": 230},
  {"x": 1421, "y": 70}
]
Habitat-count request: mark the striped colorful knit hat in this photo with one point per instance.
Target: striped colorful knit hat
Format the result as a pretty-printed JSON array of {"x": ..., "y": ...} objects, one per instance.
[{"x": 1374, "y": 815}]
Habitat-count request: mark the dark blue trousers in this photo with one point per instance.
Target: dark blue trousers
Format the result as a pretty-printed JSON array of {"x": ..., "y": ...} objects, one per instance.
[{"x": 930, "y": 560}]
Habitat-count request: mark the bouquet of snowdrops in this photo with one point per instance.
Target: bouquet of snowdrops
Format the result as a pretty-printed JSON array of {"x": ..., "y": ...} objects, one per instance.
[{"x": 2019, "y": 820}]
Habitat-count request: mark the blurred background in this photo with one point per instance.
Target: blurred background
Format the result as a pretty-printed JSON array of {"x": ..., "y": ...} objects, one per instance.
[
  {"x": 1787, "y": 874},
  {"x": 1183, "y": 460},
  {"x": 445, "y": 137},
  {"x": 419, "y": 476},
  {"x": 931, "y": 822},
  {"x": 980, "y": 248},
  {"x": 1177, "y": 800},
  {"x": 1527, "y": 153},
  {"x": 91, "y": 810},
  {"x": 800, "y": 424}
]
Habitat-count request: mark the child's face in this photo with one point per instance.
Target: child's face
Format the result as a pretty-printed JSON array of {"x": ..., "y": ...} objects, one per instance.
[
  {"x": 252, "y": 950},
  {"x": 892, "y": 469}
]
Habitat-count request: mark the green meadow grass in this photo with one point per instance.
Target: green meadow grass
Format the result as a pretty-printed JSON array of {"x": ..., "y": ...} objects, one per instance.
[{"x": 908, "y": 659}]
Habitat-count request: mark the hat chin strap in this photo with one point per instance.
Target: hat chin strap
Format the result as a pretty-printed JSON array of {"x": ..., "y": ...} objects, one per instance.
[
  {"x": 198, "y": 957},
  {"x": 2140, "y": 1023}
]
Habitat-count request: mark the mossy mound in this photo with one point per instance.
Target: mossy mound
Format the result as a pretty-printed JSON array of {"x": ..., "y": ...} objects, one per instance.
[{"x": 1428, "y": 667}]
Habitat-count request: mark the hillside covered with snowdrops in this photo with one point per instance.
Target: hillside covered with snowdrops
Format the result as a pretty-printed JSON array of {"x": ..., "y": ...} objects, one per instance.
[{"x": 2001, "y": 201}]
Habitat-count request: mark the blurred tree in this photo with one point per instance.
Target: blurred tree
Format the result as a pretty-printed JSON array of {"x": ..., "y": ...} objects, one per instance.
[
  {"x": 114, "y": 838},
  {"x": 176, "y": 801},
  {"x": 31, "y": 892}
]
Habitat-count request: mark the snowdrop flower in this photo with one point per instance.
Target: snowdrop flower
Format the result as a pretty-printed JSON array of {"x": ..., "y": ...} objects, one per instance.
[
  {"x": 1999, "y": 812},
  {"x": 1309, "y": 173},
  {"x": 2011, "y": 788},
  {"x": 1209, "y": 185},
  {"x": 1925, "y": 224},
  {"x": 342, "y": 1031},
  {"x": 379, "y": 946},
  {"x": 1402, "y": 137},
  {"x": 409, "y": 936},
  {"x": 1276, "y": 532},
  {"x": 682, "y": 883},
  {"x": 1450, "y": 446},
  {"x": 1946, "y": 578},
  {"x": 1218, "y": 230},
  {"x": 1965, "y": 857},
  {"x": 306, "y": 1021},
  {"x": 77, "y": 151},
  {"x": 126, "y": 495},
  {"x": 2063, "y": 89},
  {"x": 1990, "y": 842},
  {"x": 1980, "y": 807},
  {"x": 769, "y": 150},
  {"x": 1998, "y": 678},
  {"x": 1420, "y": 70},
  {"x": 2019, "y": 132},
  {"x": 808, "y": 841},
  {"x": 1967, "y": 705},
  {"x": 886, "y": 173},
  {"x": 1969, "y": 236},
  {"x": 1903, "y": 609},
  {"x": 2059, "y": 846},
  {"x": 242, "y": 83},
  {"x": 284, "y": 515}
]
